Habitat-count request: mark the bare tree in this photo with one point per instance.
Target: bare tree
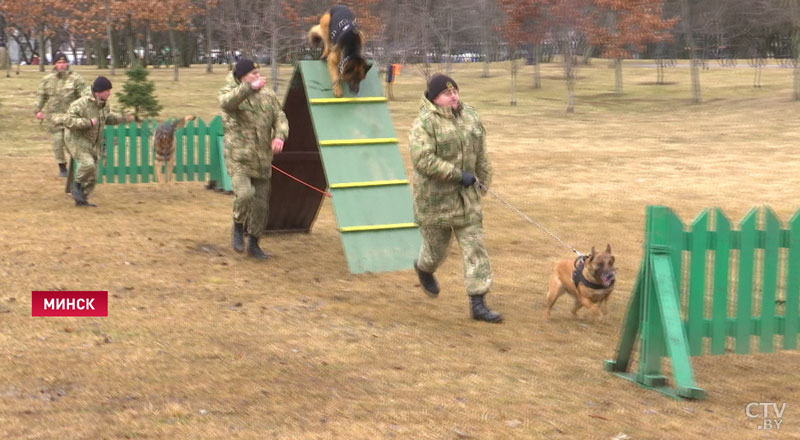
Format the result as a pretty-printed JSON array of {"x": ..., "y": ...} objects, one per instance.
[{"x": 688, "y": 35}]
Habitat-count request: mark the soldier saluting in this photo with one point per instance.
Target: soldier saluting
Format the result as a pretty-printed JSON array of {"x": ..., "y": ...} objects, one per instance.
[{"x": 255, "y": 129}]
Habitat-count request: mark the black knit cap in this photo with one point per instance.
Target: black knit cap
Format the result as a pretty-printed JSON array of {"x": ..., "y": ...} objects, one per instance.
[
  {"x": 438, "y": 84},
  {"x": 243, "y": 67},
  {"x": 60, "y": 57},
  {"x": 101, "y": 84}
]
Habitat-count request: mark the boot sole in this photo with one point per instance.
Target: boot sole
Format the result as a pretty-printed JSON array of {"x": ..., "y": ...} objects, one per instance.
[{"x": 492, "y": 321}]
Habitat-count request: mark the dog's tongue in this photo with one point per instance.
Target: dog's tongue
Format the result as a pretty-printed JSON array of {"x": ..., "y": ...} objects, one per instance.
[{"x": 608, "y": 279}]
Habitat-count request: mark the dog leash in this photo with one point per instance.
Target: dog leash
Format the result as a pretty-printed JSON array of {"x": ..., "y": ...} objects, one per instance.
[
  {"x": 325, "y": 193},
  {"x": 532, "y": 221}
]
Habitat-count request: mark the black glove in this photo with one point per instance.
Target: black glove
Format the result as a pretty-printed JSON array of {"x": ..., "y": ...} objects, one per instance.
[{"x": 467, "y": 178}]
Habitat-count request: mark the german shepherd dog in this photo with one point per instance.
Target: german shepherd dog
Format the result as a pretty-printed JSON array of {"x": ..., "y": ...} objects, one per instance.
[
  {"x": 342, "y": 43},
  {"x": 588, "y": 279},
  {"x": 164, "y": 148}
]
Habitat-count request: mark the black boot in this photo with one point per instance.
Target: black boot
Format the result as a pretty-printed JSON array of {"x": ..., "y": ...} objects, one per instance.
[
  {"x": 62, "y": 170},
  {"x": 238, "y": 236},
  {"x": 80, "y": 197},
  {"x": 480, "y": 312},
  {"x": 253, "y": 250},
  {"x": 427, "y": 281}
]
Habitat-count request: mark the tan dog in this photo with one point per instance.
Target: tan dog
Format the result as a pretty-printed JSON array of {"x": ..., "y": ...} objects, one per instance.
[
  {"x": 589, "y": 279},
  {"x": 164, "y": 148},
  {"x": 342, "y": 43}
]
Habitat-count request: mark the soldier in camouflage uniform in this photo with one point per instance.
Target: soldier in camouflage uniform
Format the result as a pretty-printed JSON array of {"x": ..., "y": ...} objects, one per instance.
[
  {"x": 85, "y": 121},
  {"x": 57, "y": 91},
  {"x": 449, "y": 155},
  {"x": 255, "y": 129}
]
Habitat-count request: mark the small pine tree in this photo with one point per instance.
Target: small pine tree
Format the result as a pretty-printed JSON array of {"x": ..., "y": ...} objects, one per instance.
[{"x": 137, "y": 93}]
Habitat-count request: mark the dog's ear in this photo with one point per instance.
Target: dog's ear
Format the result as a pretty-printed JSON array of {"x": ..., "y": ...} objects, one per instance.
[
  {"x": 608, "y": 248},
  {"x": 369, "y": 66},
  {"x": 591, "y": 254},
  {"x": 611, "y": 261}
]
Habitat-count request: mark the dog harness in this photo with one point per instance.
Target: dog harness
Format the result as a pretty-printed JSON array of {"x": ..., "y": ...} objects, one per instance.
[
  {"x": 343, "y": 21},
  {"x": 578, "y": 278}
]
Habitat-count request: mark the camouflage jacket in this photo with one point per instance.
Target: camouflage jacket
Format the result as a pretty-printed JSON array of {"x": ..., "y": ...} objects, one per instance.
[
  {"x": 443, "y": 143},
  {"x": 80, "y": 135},
  {"x": 251, "y": 121},
  {"x": 57, "y": 91}
]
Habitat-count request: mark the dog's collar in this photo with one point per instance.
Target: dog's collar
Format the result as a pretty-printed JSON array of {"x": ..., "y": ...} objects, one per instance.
[
  {"x": 342, "y": 62},
  {"x": 578, "y": 278}
]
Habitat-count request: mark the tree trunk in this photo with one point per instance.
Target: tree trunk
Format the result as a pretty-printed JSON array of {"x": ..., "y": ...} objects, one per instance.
[
  {"x": 273, "y": 45},
  {"x": 209, "y": 56},
  {"x": 694, "y": 67},
  {"x": 569, "y": 74},
  {"x": 449, "y": 45},
  {"x": 173, "y": 53},
  {"x": 513, "y": 82},
  {"x": 146, "y": 57},
  {"x": 129, "y": 45},
  {"x": 618, "y": 76},
  {"x": 537, "y": 71},
  {"x": 42, "y": 58},
  {"x": 110, "y": 38}
]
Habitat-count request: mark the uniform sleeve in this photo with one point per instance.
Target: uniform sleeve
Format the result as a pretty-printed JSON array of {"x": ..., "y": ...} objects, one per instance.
[
  {"x": 74, "y": 119},
  {"x": 114, "y": 118},
  {"x": 231, "y": 97},
  {"x": 81, "y": 88},
  {"x": 483, "y": 168},
  {"x": 422, "y": 143},
  {"x": 280, "y": 125},
  {"x": 41, "y": 97}
]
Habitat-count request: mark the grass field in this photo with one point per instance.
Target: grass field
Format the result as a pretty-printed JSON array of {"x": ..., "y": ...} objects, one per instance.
[{"x": 202, "y": 343}]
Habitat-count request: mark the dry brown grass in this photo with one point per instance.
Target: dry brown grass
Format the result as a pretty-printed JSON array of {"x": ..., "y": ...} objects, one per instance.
[{"x": 201, "y": 343}]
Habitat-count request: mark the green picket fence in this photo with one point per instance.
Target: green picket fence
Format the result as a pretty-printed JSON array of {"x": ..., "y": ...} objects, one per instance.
[
  {"x": 709, "y": 290},
  {"x": 129, "y": 153}
]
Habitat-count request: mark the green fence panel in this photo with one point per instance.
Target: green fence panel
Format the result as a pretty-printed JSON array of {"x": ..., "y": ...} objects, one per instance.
[
  {"x": 697, "y": 283},
  {"x": 109, "y": 169},
  {"x": 145, "y": 136},
  {"x": 132, "y": 137},
  {"x": 180, "y": 168},
  {"x": 654, "y": 315},
  {"x": 792, "y": 308},
  {"x": 202, "y": 150},
  {"x": 129, "y": 156},
  {"x": 122, "y": 166},
  {"x": 190, "y": 162},
  {"x": 748, "y": 242},
  {"x": 769, "y": 284},
  {"x": 719, "y": 312}
]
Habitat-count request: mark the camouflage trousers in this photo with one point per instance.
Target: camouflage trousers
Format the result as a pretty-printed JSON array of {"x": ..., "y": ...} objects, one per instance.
[
  {"x": 59, "y": 146},
  {"x": 251, "y": 203},
  {"x": 86, "y": 174},
  {"x": 435, "y": 244}
]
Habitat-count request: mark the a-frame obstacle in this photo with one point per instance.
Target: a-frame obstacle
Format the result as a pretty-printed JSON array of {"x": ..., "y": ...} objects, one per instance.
[{"x": 348, "y": 145}]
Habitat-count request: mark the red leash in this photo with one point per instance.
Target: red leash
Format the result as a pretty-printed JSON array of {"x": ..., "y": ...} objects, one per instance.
[{"x": 300, "y": 181}]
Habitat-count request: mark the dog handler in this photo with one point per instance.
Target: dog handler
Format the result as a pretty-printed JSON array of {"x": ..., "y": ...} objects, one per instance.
[
  {"x": 85, "y": 122},
  {"x": 448, "y": 150},
  {"x": 57, "y": 91},
  {"x": 255, "y": 129}
]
